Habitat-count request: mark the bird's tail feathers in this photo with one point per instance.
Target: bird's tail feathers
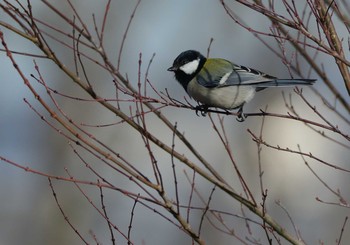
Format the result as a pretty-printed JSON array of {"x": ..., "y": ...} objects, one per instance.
[
  {"x": 296, "y": 81},
  {"x": 286, "y": 82}
]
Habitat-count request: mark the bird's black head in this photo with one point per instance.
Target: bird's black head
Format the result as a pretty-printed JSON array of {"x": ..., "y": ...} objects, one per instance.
[{"x": 187, "y": 65}]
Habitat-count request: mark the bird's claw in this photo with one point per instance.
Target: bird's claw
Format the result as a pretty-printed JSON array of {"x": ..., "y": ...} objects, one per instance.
[
  {"x": 240, "y": 115},
  {"x": 202, "y": 109}
]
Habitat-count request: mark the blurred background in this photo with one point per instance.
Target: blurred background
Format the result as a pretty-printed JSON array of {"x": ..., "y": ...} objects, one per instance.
[{"x": 28, "y": 212}]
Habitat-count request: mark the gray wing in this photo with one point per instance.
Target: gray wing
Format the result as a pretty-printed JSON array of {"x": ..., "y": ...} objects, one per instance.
[
  {"x": 245, "y": 76},
  {"x": 236, "y": 76}
]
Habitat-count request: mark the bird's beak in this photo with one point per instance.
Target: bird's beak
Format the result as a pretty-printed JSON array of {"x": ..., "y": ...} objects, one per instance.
[{"x": 173, "y": 68}]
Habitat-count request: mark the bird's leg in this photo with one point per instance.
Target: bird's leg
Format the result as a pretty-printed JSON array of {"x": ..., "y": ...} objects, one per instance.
[
  {"x": 203, "y": 109},
  {"x": 240, "y": 115}
]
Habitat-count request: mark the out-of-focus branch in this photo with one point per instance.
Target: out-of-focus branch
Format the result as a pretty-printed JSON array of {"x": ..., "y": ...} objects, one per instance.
[{"x": 333, "y": 40}]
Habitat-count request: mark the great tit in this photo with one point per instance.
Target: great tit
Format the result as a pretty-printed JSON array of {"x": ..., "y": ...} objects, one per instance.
[{"x": 216, "y": 82}]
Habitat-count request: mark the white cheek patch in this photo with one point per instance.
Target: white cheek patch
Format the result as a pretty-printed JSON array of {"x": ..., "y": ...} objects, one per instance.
[
  {"x": 190, "y": 67},
  {"x": 225, "y": 77}
]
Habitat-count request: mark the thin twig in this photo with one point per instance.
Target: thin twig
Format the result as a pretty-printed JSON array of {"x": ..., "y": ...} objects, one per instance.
[
  {"x": 106, "y": 215},
  {"x": 342, "y": 230},
  {"x": 131, "y": 219},
  {"x": 64, "y": 214}
]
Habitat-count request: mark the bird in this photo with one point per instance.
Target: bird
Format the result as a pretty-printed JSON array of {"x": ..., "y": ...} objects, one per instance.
[{"x": 216, "y": 82}]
